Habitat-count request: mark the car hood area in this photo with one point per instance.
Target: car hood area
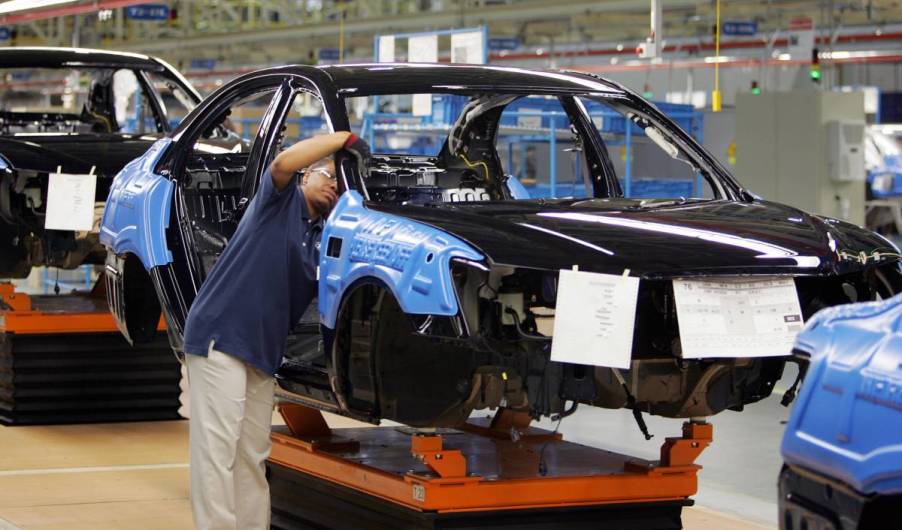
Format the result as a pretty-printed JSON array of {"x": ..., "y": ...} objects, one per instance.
[
  {"x": 656, "y": 238},
  {"x": 73, "y": 152}
]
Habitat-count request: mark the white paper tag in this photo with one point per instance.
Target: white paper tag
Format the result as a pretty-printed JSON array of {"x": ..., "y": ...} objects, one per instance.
[
  {"x": 386, "y": 49},
  {"x": 422, "y": 49},
  {"x": 70, "y": 202},
  {"x": 421, "y": 104},
  {"x": 467, "y": 47},
  {"x": 594, "y": 319},
  {"x": 737, "y": 317}
]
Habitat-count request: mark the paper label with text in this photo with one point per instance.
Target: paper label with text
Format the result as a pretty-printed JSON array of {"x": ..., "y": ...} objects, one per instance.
[
  {"x": 70, "y": 202},
  {"x": 741, "y": 317},
  {"x": 594, "y": 319}
]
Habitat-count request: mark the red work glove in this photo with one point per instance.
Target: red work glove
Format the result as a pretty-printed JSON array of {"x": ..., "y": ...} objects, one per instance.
[{"x": 357, "y": 147}]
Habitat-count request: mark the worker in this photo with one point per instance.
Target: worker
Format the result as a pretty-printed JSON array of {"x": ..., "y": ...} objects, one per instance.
[{"x": 238, "y": 325}]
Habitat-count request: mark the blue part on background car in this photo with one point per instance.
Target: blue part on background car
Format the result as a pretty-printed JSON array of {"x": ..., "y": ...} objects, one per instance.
[
  {"x": 412, "y": 259},
  {"x": 843, "y": 442},
  {"x": 137, "y": 211}
]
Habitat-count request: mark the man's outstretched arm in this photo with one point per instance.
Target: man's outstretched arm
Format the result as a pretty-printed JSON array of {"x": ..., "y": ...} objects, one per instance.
[{"x": 304, "y": 153}]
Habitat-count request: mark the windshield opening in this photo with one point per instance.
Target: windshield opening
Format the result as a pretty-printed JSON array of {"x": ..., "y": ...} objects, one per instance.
[
  {"x": 86, "y": 100},
  {"x": 446, "y": 148}
]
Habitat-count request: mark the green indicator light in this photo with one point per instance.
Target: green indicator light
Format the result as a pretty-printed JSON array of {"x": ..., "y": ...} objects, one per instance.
[
  {"x": 815, "y": 73},
  {"x": 756, "y": 91},
  {"x": 648, "y": 95}
]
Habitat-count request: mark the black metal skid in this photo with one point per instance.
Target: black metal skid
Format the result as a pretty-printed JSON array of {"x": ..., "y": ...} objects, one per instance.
[{"x": 86, "y": 378}]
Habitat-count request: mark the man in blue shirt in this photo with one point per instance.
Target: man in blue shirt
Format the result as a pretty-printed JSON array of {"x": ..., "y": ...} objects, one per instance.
[{"x": 237, "y": 327}]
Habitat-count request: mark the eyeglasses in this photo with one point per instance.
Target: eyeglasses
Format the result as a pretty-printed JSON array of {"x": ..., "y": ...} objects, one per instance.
[{"x": 324, "y": 171}]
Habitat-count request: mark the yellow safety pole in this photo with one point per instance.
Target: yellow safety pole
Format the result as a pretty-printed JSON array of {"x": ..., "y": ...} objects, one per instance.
[{"x": 715, "y": 96}]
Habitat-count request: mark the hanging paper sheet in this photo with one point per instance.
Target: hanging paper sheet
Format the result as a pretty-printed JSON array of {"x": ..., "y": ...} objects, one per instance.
[
  {"x": 594, "y": 319},
  {"x": 739, "y": 317},
  {"x": 422, "y": 49},
  {"x": 70, "y": 202}
]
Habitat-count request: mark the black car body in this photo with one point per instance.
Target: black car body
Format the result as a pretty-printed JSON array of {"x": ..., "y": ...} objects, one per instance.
[
  {"x": 60, "y": 110},
  {"x": 411, "y": 281}
]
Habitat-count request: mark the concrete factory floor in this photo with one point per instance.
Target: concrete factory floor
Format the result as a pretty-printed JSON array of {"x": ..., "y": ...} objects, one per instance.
[{"x": 135, "y": 475}]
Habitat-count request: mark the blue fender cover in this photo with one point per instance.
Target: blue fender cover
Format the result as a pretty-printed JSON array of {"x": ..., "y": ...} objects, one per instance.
[
  {"x": 412, "y": 259},
  {"x": 847, "y": 423},
  {"x": 137, "y": 210}
]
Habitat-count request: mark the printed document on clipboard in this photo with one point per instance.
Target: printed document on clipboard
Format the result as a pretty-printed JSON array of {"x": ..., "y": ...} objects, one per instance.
[{"x": 737, "y": 317}]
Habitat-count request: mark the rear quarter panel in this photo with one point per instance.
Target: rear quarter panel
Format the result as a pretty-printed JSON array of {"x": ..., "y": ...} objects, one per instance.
[
  {"x": 137, "y": 210},
  {"x": 412, "y": 259}
]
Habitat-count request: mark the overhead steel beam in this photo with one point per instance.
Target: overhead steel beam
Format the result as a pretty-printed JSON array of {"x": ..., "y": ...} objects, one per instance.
[{"x": 441, "y": 19}]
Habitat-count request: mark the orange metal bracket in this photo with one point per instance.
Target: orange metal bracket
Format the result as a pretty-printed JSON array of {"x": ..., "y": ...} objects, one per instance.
[
  {"x": 509, "y": 424},
  {"x": 447, "y": 463},
  {"x": 304, "y": 421},
  {"x": 682, "y": 451},
  {"x": 12, "y": 300},
  {"x": 311, "y": 430}
]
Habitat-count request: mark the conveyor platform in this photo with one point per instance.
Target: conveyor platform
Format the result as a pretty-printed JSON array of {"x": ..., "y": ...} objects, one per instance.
[
  {"x": 62, "y": 360},
  {"x": 488, "y": 474}
]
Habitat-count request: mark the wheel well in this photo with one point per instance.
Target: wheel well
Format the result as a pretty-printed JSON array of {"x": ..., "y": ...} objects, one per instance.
[
  {"x": 352, "y": 359},
  {"x": 383, "y": 368}
]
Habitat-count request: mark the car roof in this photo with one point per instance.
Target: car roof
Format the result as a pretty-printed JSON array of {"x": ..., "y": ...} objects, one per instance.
[
  {"x": 48, "y": 57},
  {"x": 412, "y": 78}
]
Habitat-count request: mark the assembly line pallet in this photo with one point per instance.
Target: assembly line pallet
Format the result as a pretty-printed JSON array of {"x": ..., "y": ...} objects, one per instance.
[
  {"x": 301, "y": 501},
  {"x": 62, "y": 360},
  {"x": 498, "y": 473}
]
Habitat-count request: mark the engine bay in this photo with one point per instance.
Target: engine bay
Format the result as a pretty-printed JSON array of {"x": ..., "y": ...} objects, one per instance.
[{"x": 421, "y": 180}]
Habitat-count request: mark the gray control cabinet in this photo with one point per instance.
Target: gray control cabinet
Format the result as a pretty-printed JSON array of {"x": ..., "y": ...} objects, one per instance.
[{"x": 785, "y": 151}]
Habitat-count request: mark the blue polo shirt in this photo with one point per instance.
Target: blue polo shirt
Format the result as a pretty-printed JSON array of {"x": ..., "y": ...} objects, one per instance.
[{"x": 262, "y": 282}]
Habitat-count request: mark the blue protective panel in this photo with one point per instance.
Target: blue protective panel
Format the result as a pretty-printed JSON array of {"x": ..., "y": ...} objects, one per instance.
[
  {"x": 411, "y": 258},
  {"x": 847, "y": 423},
  {"x": 137, "y": 210},
  {"x": 891, "y": 168}
]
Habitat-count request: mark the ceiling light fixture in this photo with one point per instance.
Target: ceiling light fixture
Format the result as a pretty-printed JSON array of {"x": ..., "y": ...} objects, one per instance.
[{"x": 12, "y": 6}]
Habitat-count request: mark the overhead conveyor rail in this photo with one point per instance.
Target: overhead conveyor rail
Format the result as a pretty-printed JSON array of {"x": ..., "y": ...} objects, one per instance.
[{"x": 62, "y": 360}]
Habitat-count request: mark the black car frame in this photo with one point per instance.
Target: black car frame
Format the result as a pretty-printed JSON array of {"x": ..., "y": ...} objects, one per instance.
[
  {"x": 438, "y": 277},
  {"x": 83, "y": 112}
]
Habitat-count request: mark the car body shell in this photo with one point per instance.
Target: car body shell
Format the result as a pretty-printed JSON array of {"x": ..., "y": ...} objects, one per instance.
[
  {"x": 101, "y": 153},
  {"x": 410, "y": 251}
]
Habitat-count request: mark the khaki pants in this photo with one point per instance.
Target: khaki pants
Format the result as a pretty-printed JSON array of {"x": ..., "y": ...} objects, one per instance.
[{"x": 230, "y": 420}]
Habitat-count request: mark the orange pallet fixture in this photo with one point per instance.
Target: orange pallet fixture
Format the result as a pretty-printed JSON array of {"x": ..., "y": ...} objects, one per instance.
[
  {"x": 491, "y": 467},
  {"x": 63, "y": 360},
  {"x": 82, "y": 314}
]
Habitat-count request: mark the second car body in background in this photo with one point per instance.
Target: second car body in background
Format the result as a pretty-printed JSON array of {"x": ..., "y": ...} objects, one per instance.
[{"x": 78, "y": 111}]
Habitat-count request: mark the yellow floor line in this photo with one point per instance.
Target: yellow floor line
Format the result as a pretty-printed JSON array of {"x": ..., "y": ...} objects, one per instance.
[{"x": 95, "y": 469}]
